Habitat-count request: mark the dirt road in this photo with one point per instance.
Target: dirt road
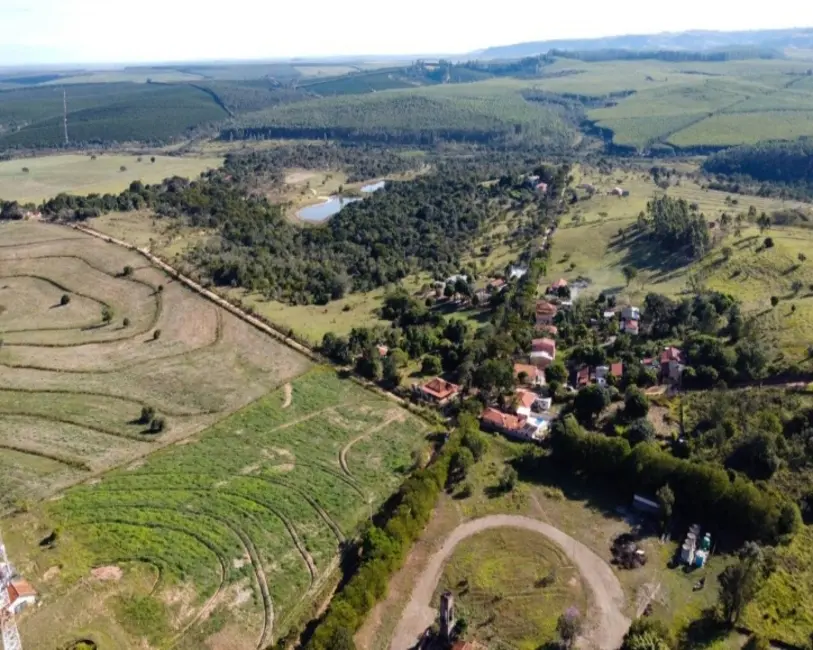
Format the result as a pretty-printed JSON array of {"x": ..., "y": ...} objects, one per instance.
[{"x": 606, "y": 622}]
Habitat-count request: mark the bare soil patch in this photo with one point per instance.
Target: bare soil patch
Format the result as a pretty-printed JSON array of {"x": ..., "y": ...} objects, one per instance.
[{"x": 107, "y": 573}]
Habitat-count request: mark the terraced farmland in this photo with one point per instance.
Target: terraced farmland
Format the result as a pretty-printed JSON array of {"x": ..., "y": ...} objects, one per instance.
[{"x": 223, "y": 537}]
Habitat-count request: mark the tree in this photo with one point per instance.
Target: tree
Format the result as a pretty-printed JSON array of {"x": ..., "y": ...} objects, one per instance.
[
  {"x": 147, "y": 414},
  {"x": 640, "y": 430},
  {"x": 802, "y": 258},
  {"x": 152, "y": 159},
  {"x": 156, "y": 335},
  {"x": 390, "y": 373},
  {"x": 127, "y": 271},
  {"x": 125, "y": 322},
  {"x": 764, "y": 222},
  {"x": 26, "y": 170},
  {"x": 122, "y": 168},
  {"x": 589, "y": 402},
  {"x": 368, "y": 364},
  {"x": 757, "y": 642},
  {"x": 461, "y": 462},
  {"x": 630, "y": 273},
  {"x": 509, "y": 478},
  {"x": 727, "y": 252},
  {"x": 476, "y": 442},
  {"x": 636, "y": 403},
  {"x": 569, "y": 626},
  {"x": 647, "y": 634},
  {"x": 796, "y": 286},
  {"x": 774, "y": 301},
  {"x": 65, "y": 299},
  {"x": 107, "y": 314},
  {"x": 556, "y": 372},
  {"x": 431, "y": 365},
  {"x": 768, "y": 242},
  {"x": 740, "y": 582},
  {"x": 666, "y": 499},
  {"x": 157, "y": 425}
]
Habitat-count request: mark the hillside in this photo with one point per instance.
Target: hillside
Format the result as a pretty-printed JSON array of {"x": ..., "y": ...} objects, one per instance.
[{"x": 697, "y": 40}]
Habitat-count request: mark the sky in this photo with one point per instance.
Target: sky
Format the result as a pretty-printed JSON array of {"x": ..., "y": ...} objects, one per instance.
[{"x": 112, "y": 31}]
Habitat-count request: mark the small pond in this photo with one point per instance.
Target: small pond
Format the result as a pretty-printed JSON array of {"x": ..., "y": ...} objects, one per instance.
[{"x": 331, "y": 206}]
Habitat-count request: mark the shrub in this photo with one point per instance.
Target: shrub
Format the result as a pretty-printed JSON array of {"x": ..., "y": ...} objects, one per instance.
[
  {"x": 25, "y": 170},
  {"x": 147, "y": 414},
  {"x": 125, "y": 322},
  {"x": 65, "y": 299},
  {"x": 641, "y": 430},
  {"x": 122, "y": 168},
  {"x": 156, "y": 335},
  {"x": 768, "y": 243},
  {"x": 127, "y": 271},
  {"x": 636, "y": 403},
  {"x": 107, "y": 314},
  {"x": 157, "y": 425}
]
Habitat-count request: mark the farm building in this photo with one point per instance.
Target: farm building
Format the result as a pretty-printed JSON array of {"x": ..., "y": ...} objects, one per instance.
[{"x": 545, "y": 312}]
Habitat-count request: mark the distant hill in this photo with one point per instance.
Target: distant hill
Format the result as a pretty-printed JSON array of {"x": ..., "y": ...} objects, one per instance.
[{"x": 698, "y": 41}]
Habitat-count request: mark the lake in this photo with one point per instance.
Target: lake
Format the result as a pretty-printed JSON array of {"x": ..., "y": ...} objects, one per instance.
[{"x": 331, "y": 206}]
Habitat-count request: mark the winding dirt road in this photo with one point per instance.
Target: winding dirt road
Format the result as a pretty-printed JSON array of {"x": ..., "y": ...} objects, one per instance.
[{"x": 607, "y": 623}]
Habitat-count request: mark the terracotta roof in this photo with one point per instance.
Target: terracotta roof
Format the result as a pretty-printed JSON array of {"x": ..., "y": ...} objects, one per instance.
[
  {"x": 502, "y": 420},
  {"x": 440, "y": 388},
  {"x": 617, "y": 369},
  {"x": 631, "y": 326},
  {"x": 529, "y": 369},
  {"x": 583, "y": 375},
  {"x": 545, "y": 307},
  {"x": 561, "y": 282},
  {"x": 20, "y": 589},
  {"x": 671, "y": 354},
  {"x": 525, "y": 398},
  {"x": 544, "y": 345},
  {"x": 383, "y": 350},
  {"x": 496, "y": 283}
]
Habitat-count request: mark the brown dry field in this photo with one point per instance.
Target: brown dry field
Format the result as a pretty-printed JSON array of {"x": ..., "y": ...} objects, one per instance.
[{"x": 72, "y": 386}]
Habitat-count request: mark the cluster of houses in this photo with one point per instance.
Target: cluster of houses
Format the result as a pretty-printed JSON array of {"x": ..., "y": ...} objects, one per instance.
[{"x": 668, "y": 367}]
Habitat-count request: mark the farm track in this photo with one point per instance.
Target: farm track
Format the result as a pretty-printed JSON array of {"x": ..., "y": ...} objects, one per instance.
[
  {"x": 344, "y": 451},
  {"x": 130, "y": 400},
  {"x": 71, "y": 462}
]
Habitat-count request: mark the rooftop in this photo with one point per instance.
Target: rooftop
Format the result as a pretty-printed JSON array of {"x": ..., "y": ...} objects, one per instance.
[
  {"x": 440, "y": 388},
  {"x": 502, "y": 420}
]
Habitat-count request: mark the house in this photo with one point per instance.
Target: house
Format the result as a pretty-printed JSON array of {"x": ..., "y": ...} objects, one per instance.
[
  {"x": 523, "y": 402},
  {"x": 533, "y": 376},
  {"x": 582, "y": 377},
  {"x": 516, "y": 272},
  {"x": 482, "y": 296},
  {"x": 601, "y": 374},
  {"x": 619, "y": 191},
  {"x": 672, "y": 364},
  {"x": 436, "y": 391},
  {"x": 561, "y": 283},
  {"x": 532, "y": 180},
  {"x": 617, "y": 369},
  {"x": 545, "y": 312},
  {"x": 383, "y": 350},
  {"x": 541, "y": 359},
  {"x": 496, "y": 285},
  {"x": 20, "y": 595},
  {"x": 542, "y": 188},
  {"x": 514, "y": 426},
  {"x": 630, "y": 327},
  {"x": 631, "y": 313},
  {"x": 609, "y": 314},
  {"x": 544, "y": 345}
]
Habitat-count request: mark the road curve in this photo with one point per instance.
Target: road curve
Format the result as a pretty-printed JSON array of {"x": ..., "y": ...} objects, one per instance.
[{"x": 606, "y": 621}]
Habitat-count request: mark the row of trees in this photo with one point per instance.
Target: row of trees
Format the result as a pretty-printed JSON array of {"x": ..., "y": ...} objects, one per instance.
[
  {"x": 384, "y": 547},
  {"x": 735, "y": 509}
]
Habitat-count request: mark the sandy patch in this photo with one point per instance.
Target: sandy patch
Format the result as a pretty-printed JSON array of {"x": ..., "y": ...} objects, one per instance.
[
  {"x": 250, "y": 469},
  {"x": 240, "y": 562},
  {"x": 181, "y": 599},
  {"x": 110, "y": 573},
  {"x": 288, "y": 395},
  {"x": 232, "y": 637},
  {"x": 284, "y": 467},
  {"x": 186, "y": 441},
  {"x": 51, "y": 573},
  {"x": 135, "y": 465},
  {"x": 282, "y": 452},
  {"x": 299, "y": 177}
]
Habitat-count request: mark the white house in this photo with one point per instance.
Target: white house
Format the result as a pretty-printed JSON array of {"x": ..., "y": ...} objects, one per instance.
[
  {"x": 20, "y": 595},
  {"x": 631, "y": 313}
]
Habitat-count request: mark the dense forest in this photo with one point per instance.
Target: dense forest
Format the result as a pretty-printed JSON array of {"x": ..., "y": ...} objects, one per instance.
[
  {"x": 781, "y": 162},
  {"x": 678, "y": 56},
  {"x": 421, "y": 225},
  {"x": 676, "y": 227}
]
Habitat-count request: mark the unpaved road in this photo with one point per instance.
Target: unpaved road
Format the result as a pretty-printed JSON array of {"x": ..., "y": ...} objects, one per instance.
[{"x": 606, "y": 621}]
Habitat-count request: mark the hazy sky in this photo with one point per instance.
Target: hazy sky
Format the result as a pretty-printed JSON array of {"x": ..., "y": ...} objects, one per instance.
[{"x": 70, "y": 31}]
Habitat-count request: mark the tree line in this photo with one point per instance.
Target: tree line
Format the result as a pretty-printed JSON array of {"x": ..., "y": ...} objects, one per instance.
[{"x": 781, "y": 162}]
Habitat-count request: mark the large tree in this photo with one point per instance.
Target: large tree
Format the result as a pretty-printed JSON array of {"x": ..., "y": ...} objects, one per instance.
[
  {"x": 590, "y": 402},
  {"x": 741, "y": 581}
]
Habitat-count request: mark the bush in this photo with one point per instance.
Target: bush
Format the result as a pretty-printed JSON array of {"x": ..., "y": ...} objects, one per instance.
[
  {"x": 65, "y": 299},
  {"x": 125, "y": 322},
  {"x": 636, "y": 403},
  {"x": 156, "y": 335},
  {"x": 157, "y": 425},
  {"x": 641, "y": 430},
  {"x": 768, "y": 243},
  {"x": 128, "y": 271},
  {"x": 431, "y": 365}
]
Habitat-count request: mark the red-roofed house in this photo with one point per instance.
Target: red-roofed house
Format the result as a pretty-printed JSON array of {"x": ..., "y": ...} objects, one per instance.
[
  {"x": 523, "y": 402},
  {"x": 672, "y": 364},
  {"x": 561, "y": 283},
  {"x": 533, "y": 376},
  {"x": 617, "y": 369},
  {"x": 437, "y": 391},
  {"x": 544, "y": 345},
  {"x": 20, "y": 595},
  {"x": 545, "y": 312},
  {"x": 383, "y": 350},
  {"x": 582, "y": 377},
  {"x": 515, "y": 426},
  {"x": 496, "y": 285},
  {"x": 630, "y": 327},
  {"x": 542, "y": 187}
]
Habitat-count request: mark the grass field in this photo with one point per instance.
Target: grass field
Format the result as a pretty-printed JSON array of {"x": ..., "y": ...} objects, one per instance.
[
  {"x": 497, "y": 577},
  {"x": 241, "y": 527},
  {"x": 72, "y": 385},
  {"x": 47, "y": 176},
  {"x": 587, "y": 245}
]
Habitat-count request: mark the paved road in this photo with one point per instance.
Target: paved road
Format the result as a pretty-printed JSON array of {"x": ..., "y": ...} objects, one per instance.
[{"x": 607, "y": 623}]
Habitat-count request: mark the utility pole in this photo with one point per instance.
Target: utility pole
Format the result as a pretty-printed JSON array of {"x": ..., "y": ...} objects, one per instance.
[
  {"x": 65, "y": 113},
  {"x": 8, "y": 626}
]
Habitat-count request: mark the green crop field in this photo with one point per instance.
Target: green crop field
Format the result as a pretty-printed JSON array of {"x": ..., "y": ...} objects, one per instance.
[
  {"x": 729, "y": 129},
  {"x": 47, "y": 176},
  {"x": 242, "y": 526},
  {"x": 73, "y": 383},
  {"x": 511, "y": 585}
]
